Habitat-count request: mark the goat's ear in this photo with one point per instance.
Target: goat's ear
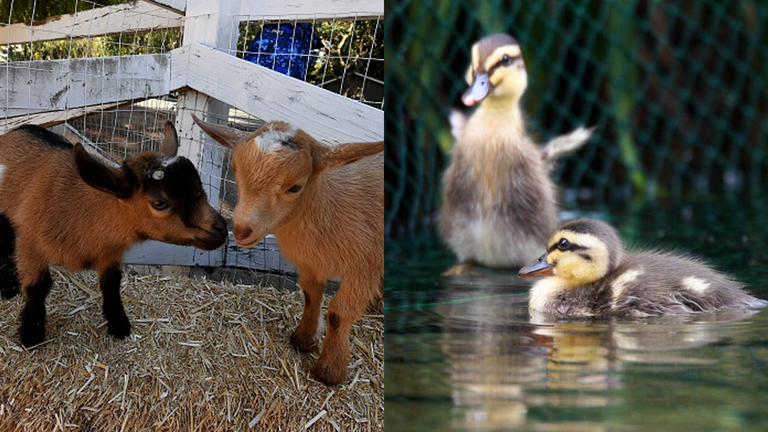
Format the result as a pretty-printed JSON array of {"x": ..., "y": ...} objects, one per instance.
[
  {"x": 170, "y": 144},
  {"x": 104, "y": 178},
  {"x": 332, "y": 157},
  {"x": 226, "y": 136}
]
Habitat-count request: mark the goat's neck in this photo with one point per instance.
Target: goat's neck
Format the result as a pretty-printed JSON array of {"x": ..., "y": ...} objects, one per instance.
[{"x": 115, "y": 214}]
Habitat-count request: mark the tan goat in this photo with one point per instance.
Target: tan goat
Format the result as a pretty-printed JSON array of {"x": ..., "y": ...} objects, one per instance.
[{"x": 325, "y": 205}]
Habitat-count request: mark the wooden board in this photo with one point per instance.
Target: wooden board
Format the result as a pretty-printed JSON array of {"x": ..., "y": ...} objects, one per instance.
[
  {"x": 74, "y": 136},
  {"x": 157, "y": 253},
  {"x": 53, "y": 118},
  {"x": 124, "y": 18},
  {"x": 50, "y": 85},
  {"x": 264, "y": 256},
  {"x": 270, "y": 95},
  {"x": 312, "y": 10},
  {"x": 178, "y": 6}
]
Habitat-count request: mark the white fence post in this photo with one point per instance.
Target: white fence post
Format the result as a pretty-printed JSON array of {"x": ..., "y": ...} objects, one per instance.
[{"x": 215, "y": 24}]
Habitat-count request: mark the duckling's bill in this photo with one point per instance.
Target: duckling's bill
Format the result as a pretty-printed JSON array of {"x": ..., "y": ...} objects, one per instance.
[
  {"x": 477, "y": 91},
  {"x": 540, "y": 267}
]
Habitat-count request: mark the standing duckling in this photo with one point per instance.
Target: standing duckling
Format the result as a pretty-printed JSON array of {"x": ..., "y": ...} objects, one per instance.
[
  {"x": 593, "y": 276},
  {"x": 498, "y": 200}
]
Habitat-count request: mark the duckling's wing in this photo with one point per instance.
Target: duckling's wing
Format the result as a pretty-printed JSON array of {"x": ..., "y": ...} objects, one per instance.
[
  {"x": 565, "y": 144},
  {"x": 677, "y": 284},
  {"x": 458, "y": 120}
]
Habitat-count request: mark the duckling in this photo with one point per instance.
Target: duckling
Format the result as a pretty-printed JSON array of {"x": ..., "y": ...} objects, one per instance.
[
  {"x": 593, "y": 276},
  {"x": 498, "y": 200}
]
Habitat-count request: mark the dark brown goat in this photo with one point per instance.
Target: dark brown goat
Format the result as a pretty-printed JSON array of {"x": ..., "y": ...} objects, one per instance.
[{"x": 61, "y": 206}]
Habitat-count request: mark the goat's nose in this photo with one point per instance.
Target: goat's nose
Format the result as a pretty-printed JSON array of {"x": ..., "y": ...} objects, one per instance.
[
  {"x": 220, "y": 226},
  {"x": 242, "y": 232}
]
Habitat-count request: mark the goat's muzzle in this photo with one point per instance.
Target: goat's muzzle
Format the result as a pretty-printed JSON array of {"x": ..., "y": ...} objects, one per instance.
[{"x": 213, "y": 237}]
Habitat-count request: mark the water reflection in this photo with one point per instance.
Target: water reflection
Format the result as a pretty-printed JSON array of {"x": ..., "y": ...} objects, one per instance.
[{"x": 503, "y": 363}]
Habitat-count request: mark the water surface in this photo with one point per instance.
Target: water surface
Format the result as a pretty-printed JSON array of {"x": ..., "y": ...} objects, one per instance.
[{"x": 463, "y": 352}]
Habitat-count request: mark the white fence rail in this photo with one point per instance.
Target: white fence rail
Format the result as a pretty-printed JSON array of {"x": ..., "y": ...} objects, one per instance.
[
  {"x": 269, "y": 94},
  {"x": 53, "y": 85},
  {"x": 207, "y": 78},
  {"x": 125, "y": 18}
]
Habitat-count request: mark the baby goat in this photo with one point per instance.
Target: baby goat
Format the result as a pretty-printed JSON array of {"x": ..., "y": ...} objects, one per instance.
[
  {"x": 325, "y": 205},
  {"x": 61, "y": 206}
]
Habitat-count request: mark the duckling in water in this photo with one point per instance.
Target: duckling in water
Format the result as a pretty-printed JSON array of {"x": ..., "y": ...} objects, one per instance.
[
  {"x": 593, "y": 276},
  {"x": 498, "y": 200}
]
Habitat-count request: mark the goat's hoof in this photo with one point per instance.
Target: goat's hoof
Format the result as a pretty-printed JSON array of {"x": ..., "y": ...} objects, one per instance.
[
  {"x": 9, "y": 293},
  {"x": 32, "y": 334},
  {"x": 303, "y": 342},
  {"x": 119, "y": 327},
  {"x": 329, "y": 373}
]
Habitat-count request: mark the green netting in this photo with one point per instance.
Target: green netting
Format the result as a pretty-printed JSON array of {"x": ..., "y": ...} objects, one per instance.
[{"x": 677, "y": 89}]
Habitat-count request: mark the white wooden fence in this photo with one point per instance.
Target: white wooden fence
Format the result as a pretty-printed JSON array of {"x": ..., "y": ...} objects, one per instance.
[{"x": 207, "y": 78}]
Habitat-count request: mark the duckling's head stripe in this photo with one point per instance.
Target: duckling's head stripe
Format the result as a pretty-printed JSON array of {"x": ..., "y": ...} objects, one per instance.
[
  {"x": 572, "y": 247},
  {"x": 485, "y": 48},
  {"x": 496, "y": 58},
  {"x": 602, "y": 231}
]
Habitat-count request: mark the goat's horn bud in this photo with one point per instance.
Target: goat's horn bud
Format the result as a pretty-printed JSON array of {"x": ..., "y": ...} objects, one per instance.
[{"x": 157, "y": 174}]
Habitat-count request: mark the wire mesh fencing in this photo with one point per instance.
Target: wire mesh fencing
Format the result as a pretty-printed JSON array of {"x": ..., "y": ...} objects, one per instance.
[
  {"x": 340, "y": 55},
  {"x": 677, "y": 91}
]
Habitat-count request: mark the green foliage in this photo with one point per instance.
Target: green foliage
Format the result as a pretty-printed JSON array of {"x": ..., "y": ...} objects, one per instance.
[{"x": 21, "y": 11}]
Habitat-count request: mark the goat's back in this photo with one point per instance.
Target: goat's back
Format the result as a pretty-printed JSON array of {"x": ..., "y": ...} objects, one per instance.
[
  {"x": 360, "y": 185},
  {"x": 33, "y": 162}
]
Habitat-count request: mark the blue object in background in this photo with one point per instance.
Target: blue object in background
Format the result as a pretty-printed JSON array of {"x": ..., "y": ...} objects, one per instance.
[{"x": 272, "y": 48}]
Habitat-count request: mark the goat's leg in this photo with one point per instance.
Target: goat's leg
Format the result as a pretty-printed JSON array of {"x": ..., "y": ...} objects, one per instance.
[
  {"x": 36, "y": 289},
  {"x": 9, "y": 278},
  {"x": 118, "y": 324},
  {"x": 36, "y": 284},
  {"x": 344, "y": 309},
  {"x": 307, "y": 334}
]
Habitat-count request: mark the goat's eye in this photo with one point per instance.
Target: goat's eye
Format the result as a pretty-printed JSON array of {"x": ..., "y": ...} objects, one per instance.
[
  {"x": 295, "y": 188},
  {"x": 563, "y": 244},
  {"x": 160, "y": 204}
]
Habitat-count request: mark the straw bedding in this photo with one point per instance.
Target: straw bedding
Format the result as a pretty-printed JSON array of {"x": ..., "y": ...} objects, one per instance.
[{"x": 202, "y": 356}]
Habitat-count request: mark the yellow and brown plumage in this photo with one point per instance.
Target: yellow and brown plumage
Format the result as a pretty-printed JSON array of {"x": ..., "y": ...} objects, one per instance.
[
  {"x": 499, "y": 204},
  {"x": 591, "y": 275}
]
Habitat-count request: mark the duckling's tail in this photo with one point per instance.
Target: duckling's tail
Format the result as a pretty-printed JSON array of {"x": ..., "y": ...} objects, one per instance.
[{"x": 565, "y": 144}]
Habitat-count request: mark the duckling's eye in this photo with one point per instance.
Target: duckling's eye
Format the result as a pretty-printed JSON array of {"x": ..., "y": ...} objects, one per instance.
[
  {"x": 563, "y": 244},
  {"x": 506, "y": 60}
]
